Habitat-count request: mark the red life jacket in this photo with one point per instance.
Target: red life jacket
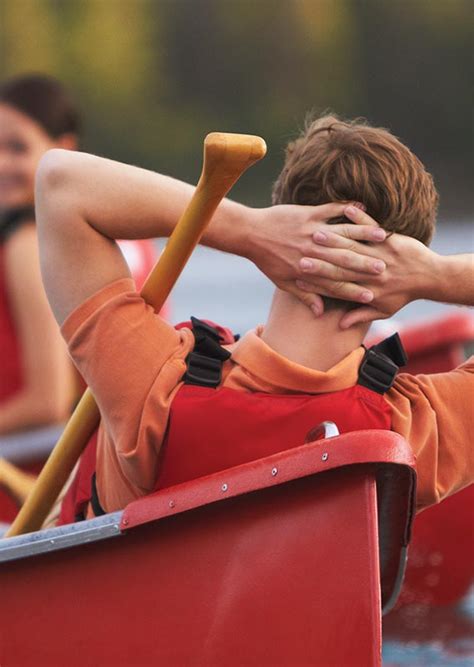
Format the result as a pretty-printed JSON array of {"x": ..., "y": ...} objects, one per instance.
[
  {"x": 11, "y": 368},
  {"x": 212, "y": 428},
  {"x": 79, "y": 494},
  {"x": 11, "y": 373}
]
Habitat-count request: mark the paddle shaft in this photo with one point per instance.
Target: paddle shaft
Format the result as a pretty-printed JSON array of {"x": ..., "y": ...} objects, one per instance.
[
  {"x": 17, "y": 482},
  {"x": 226, "y": 157}
]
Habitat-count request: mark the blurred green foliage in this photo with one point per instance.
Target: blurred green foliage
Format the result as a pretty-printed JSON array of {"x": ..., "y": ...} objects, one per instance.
[{"x": 154, "y": 76}]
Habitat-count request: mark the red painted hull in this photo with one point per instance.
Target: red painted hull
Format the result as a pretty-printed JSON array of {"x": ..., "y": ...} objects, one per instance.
[
  {"x": 275, "y": 562},
  {"x": 441, "y": 565}
]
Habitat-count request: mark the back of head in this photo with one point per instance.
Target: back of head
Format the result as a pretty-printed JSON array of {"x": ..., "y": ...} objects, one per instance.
[
  {"x": 335, "y": 160},
  {"x": 45, "y": 100}
]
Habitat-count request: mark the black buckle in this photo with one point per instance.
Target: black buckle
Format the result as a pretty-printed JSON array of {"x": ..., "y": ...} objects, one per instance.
[
  {"x": 376, "y": 372},
  {"x": 207, "y": 341},
  {"x": 203, "y": 371},
  {"x": 200, "y": 327},
  {"x": 380, "y": 364},
  {"x": 392, "y": 348},
  {"x": 204, "y": 363}
]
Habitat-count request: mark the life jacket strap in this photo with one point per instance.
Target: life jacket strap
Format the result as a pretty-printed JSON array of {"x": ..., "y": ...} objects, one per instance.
[
  {"x": 204, "y": 363},
  {"x": 381, "y": 364},
  {"x": 95, "y": 503}
]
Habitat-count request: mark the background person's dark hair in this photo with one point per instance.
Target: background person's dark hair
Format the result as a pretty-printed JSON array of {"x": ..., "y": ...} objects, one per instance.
[{"x": 45, "y": 100}]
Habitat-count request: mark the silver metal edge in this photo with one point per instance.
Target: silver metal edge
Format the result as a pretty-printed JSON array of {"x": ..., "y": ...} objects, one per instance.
[{"x": 62, "y": 537}]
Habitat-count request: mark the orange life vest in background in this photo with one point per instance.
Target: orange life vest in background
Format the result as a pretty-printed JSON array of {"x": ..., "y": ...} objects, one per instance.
[{"x": 212, "y": 428}]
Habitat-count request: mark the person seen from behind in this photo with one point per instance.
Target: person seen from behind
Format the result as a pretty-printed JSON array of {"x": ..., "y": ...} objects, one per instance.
[{"x": 280, "y": 380}]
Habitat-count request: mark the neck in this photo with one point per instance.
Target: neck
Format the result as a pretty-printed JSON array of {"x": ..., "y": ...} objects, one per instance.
[{"x": 317, "y": 343}]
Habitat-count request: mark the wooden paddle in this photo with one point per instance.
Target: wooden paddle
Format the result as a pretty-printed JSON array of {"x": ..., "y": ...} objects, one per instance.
[
  {"x": 15, "y": 481},
  {"x": 226, "y": 157}
]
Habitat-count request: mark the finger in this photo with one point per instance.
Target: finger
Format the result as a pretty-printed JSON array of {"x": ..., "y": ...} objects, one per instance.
[
  {"x": 339, "y": 266},
  {"x": 339, "y": 260},
  {"x": 324, "y": 212},
  {"x": 308, "y": 297},
  {"x": 359, "y": 217},
  {"x": 342, "y": 235},
  {"x": 347, "y": 291},
  {"x": 361, "y": 315},
  {"x": 333, "y": 210}
]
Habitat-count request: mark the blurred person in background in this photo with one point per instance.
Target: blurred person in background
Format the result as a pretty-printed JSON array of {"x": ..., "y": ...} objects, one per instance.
[{"x": 37, "y": 383}]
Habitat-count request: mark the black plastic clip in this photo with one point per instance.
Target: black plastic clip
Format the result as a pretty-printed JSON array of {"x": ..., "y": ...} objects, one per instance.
[
  {"x": 380, "y": 364},
  {"x": 204, "y": 363}
]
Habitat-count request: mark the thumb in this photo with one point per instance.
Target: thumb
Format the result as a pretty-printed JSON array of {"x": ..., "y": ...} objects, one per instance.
[{"x": 361, "y": 315}]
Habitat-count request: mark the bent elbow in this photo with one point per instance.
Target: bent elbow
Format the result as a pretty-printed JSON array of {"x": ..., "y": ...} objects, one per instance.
[
  {"x": 52, "y": 176},
  {"x": 52, "y": 168}
]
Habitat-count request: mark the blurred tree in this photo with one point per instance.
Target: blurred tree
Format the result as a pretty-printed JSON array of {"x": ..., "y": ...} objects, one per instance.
[
  {"x": 154, "y": 76},
  {"x": 420, "y": 83}
]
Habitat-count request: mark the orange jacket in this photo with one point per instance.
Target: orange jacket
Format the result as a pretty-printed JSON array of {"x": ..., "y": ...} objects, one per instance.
[{"x": 133, "y": 361}]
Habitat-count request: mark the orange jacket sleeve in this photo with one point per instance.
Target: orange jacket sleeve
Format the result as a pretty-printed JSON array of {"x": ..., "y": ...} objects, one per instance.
[
  {"x": 133, "y": 362},
  {"x": 435, "y": 414}
]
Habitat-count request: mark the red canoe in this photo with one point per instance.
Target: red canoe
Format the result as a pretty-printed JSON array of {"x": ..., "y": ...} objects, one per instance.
[{"x": 287, "y": 561}]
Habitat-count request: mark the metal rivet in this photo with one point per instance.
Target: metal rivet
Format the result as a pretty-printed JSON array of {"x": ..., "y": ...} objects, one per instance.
[
  {"x": 224, "y": 487},
  {"x": 325, "y": 456},
  {"x": 274, "y": 471},
  {"x": 172, "y": 503}
]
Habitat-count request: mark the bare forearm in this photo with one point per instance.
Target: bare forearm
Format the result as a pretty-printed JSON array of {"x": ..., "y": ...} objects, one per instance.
[
  {"x": 415, "y": 272},
  {"x": 83, "y": 201},
  {"x": 454, "y": 282},
  {"x": 123, "y": 202}
]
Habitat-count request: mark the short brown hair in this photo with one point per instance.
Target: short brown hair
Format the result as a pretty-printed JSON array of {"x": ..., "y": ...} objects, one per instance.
[{"x": 336, "y": 160}]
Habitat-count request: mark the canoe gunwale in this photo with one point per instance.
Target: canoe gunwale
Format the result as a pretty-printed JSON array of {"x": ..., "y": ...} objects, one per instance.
[{"x": 61, "y": 537}]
